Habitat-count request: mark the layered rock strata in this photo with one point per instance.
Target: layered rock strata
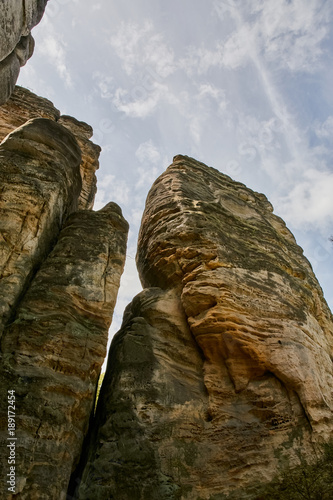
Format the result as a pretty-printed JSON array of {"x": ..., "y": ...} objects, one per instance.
[
  {"x": 60, "y": 274},
  {"x": 25, "y": 105},
  {"x": 40, "y": 185},
  {"x": 18, "y": 17},
  {"x": 222, "y": 371},
  {"x": 54, "y": 349}
]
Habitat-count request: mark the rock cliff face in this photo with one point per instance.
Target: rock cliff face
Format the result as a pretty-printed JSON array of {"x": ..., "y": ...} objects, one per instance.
[
  {"x": 18, "y": 17},
  {"x": 24, "y": 105},
  {"x": 60, "y": 271},
  {"x": 222, "y": 370}
]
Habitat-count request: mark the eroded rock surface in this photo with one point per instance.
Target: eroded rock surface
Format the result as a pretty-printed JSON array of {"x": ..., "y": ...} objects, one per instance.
[
  {"x": 40, "y": 184},
  {"x": 207, "y": 397},
  {"x": 60, "y": 271},
  {"x": 53, "y": 351},
  {"x": 25, "y": 105},
  {"x": 18, "y": 17}
]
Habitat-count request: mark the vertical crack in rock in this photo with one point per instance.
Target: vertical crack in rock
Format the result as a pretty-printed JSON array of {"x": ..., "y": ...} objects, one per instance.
[
  {"x": 60, "y": 271},
  {"x": 222, "y": 370},
  {"x": 53, "y": 351}
]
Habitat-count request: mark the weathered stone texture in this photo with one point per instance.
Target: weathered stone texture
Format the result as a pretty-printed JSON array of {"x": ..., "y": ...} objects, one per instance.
[
  {"x": 60, "y": 268},
  {"x": 153, "y": 391},
  {"x": 18, "y": 17},
  {"x": 53, "y": 351},
  {"x": 24, "y": 105},
  {"x": 223, "y": 370},
  {"x": 39, "y": 186},
  {"x": 90, "y": 155}
]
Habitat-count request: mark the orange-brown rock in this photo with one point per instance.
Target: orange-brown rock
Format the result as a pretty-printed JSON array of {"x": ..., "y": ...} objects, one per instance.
[
  {"x": 24, "y": 105},
  {"x": 222, "y": 371}
]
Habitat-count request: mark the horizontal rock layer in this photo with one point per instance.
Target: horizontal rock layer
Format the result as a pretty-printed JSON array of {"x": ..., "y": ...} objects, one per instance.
[
  {"x": 53, "y": 351},
  {"x": 40, "y": 185},
  {"x": 24, "y": 105},
  {"x": 222, "y": 372},
  {"x": 60, "y": 271}
]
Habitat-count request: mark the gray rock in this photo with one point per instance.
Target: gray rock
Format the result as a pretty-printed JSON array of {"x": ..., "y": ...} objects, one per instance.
[{"x": 17, "y": 19}]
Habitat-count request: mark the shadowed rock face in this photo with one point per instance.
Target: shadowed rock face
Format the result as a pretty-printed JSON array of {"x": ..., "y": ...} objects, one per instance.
[
  {"x": 60, "y": 273},
  {"x": 222, "y": 370},
  {"x": 18, "y": 17}
]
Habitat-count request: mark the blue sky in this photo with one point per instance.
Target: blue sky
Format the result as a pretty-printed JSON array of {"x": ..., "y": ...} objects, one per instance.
[{"x": 243, "y": 85}]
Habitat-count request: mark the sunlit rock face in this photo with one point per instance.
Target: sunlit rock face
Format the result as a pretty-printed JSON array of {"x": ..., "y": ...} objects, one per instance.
[
  {"x": 40, "y": 185},
  {"x": 222, "y": 371},
  {"x": 60, "y": 271},
  {"x": 18, "y": 17},
  {"x": 24, "y": 105}
]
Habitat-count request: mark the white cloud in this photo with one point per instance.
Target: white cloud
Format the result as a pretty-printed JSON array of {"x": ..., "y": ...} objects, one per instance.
[
  {"x": 210, "y": 94},
  {"x": 288, "y": 34},
  {"x": 237, "y": 47},
  {"x": 55, "y": 51},
  {"x": 201, "y": 59},
  {"x": 291, "y": 33},
  {"x": 141, "y": 46},
  {"x": 325, "y": 130},
  {"x": 139, "y": 103},
  {"x": 104, "y": 83},
  {"x": 111, "y": 188},
  {"x": 310, "y": 203},
  {"x": 147, "y": 152}
]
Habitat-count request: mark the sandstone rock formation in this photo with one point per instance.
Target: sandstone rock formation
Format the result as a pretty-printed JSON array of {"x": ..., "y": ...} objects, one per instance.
[
  {"x": 54, "y": 349},
  {"x": 25, "y": 105},
  {"x": 40, "y": 185},
  {"x": 18, "y": 17},
  {"x": 60, "y": 274},
  {"x": 222, "y": 371}
]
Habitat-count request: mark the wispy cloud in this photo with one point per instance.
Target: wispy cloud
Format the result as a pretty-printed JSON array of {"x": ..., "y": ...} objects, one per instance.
[
  {"x": 139, "y": 46},
  {"x": 112, "y": 188},
  {"x": 55, "y": 50},
  {"x": 291, "y": 33},
  {"x": 138, "y": 102},
  {"x": 325, "y": 130},
  {"x": 199, "y": 60},
  {"x": 288, "y": 34},
  {"x": 311, "y": 201},
  {"x": 148, "y": 152}
]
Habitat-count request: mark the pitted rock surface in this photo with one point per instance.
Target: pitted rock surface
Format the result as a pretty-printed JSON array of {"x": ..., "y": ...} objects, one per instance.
[
  {"x": 60, "y": 271},
  {"x": 249, "y": 293},
  {"x": 222, "y": 371},
  {"x": 53, "y": 351},
  {"x": 40, "y": 185},
  {"x": 24, "y": 105}
]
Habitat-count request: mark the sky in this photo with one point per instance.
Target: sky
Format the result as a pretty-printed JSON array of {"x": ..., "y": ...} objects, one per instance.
[{"x": 244, "y": 86}]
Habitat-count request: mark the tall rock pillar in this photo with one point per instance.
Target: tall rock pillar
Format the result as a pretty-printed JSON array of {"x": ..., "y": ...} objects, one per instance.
[
  {"x": 60, "y": 274},
  {"x": 222, "y": 371}
]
